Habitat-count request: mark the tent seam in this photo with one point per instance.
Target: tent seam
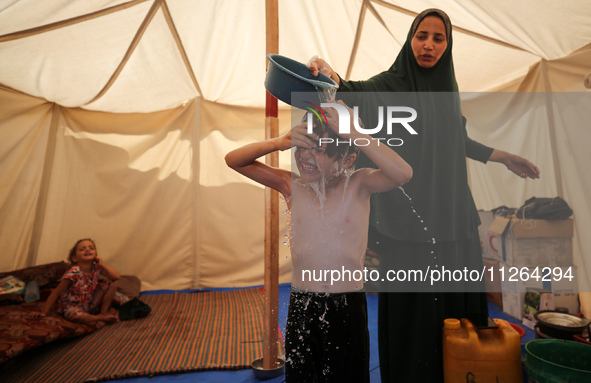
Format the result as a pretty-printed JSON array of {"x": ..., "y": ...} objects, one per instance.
[
  {"x": 180, "y": 46},
  {"x": 134, "y": 43},
  {"x": 65, "y": 23},
  {"x": 357, "y": 38},
  {"x": 456, "y": 28},
  {"x": 41, "y": 207}
]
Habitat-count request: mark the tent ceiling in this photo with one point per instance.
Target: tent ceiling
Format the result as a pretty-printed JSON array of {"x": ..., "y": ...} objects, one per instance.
[{"x": 148, "y": 55}]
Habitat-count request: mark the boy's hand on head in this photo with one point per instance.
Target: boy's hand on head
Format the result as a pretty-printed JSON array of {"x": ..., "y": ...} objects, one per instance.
[
  {"x": 300, "y": 137},
  {"x": 332, "y": 117}
]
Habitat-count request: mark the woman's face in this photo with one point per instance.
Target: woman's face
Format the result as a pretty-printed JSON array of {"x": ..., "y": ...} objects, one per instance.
[{"x": 429, "y": 41}]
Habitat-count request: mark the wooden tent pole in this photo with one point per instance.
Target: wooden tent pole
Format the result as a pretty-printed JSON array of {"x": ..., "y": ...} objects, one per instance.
[{"x": 271, "y": 317}]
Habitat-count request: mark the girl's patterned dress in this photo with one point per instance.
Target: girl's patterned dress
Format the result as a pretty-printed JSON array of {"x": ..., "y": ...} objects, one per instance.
[{"x": 85, "y": 293}]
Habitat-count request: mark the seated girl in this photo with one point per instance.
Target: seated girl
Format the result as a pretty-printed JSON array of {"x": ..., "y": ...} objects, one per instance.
[{"x": 86, "y": 290}]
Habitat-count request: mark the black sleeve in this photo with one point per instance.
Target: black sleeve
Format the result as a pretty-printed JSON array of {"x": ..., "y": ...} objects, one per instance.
[{"x": 475, "y": 150}]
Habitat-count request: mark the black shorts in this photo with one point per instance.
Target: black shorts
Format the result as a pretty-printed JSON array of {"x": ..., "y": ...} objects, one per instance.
[{"x": 327, "y": 339}]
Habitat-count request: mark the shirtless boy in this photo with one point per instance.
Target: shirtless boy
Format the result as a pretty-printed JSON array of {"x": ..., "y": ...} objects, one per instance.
[{"x": 326, "y": 336}]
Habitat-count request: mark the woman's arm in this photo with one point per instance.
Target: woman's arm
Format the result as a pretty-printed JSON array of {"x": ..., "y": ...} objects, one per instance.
[
  {"x": 518, "y": 165},
  {"x": 474, "y": 149},
  {"x": 377, "y": 83}
]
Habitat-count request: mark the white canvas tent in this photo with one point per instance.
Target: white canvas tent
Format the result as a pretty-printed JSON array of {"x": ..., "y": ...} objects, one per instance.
[{"x": 115, "y": 117}]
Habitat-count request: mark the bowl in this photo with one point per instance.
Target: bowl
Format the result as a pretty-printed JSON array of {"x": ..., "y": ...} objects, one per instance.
[
  {"x": 557, "y": 360},
  {"x": 560, "y": 325},
  {"x": 519, "y": 330},
  {"x": 260, "y": 373},
  {"x": 285, "y": 76}
]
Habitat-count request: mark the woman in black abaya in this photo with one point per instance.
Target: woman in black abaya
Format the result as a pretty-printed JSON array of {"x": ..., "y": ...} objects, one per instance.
[{"x": 410, "y": 323}]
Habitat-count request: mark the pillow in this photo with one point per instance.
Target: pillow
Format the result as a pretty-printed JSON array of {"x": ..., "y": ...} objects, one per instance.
[
  {"x": 47, "y": 277},
  {"x": 129, "y": 285}
]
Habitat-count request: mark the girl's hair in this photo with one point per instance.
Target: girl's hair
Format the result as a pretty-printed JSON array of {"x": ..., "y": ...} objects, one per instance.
[{"x": 72, "y": 253}]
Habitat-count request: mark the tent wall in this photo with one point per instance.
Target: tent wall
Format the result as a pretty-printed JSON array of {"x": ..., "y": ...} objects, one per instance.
[
  {"x": 151, "y": 189},
  {"x": 544, "y": 125}
]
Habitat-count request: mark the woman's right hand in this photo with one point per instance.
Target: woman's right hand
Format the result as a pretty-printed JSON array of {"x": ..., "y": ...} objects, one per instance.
[
  {"x": 317, "y": 65},
  {"x": 37, "y": 314}
]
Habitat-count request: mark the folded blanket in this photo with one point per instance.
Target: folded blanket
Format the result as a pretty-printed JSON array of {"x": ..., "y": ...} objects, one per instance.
[{"x": 20, "y": 332}]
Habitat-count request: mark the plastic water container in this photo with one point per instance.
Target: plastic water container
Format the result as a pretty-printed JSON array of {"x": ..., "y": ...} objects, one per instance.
[
  {"x": 481, "y": 355},
  {"x": 32, "y": 292}
]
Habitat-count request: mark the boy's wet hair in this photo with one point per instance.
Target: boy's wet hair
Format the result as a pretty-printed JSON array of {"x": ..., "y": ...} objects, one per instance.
[
  {"x": 72, "y": 253},
  {"x": 333, "y": 151}
]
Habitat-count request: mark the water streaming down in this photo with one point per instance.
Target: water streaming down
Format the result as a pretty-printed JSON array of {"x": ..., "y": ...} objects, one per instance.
[
  {"x": 329, "y": 94},
  {"x": 413, "y": 209},
  {"x": 287, "y": 213},
  {"x": 319, "y": 190},
  {"x": 319, "y": 187},
  {"x": 326, "y": 94},
  {"x": 432, "y": 241},
  {"x": 302, "y": 329},
  {"x": 348, "y": 173}
]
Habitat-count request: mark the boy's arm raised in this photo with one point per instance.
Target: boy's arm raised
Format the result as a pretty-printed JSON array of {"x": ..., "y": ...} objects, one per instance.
[
  {"x": 392, "y": 170},
  {"x": 245, "y": 161}
]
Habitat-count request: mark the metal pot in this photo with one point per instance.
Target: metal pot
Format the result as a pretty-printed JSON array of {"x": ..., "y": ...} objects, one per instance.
[
  {"x": 261, "y": 373},
  {"x": 560, "y": 325}
]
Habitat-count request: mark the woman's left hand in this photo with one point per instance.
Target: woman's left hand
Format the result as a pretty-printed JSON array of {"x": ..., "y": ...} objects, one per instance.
[{"x": 517, "y": 164}]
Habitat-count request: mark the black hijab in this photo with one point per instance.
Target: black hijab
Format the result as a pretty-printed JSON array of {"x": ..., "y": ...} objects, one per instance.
[{"x": 439, "y": 187}]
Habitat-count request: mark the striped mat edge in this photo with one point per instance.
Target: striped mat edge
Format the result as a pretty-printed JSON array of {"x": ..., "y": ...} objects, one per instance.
[{"x": 185, "y": 332}]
